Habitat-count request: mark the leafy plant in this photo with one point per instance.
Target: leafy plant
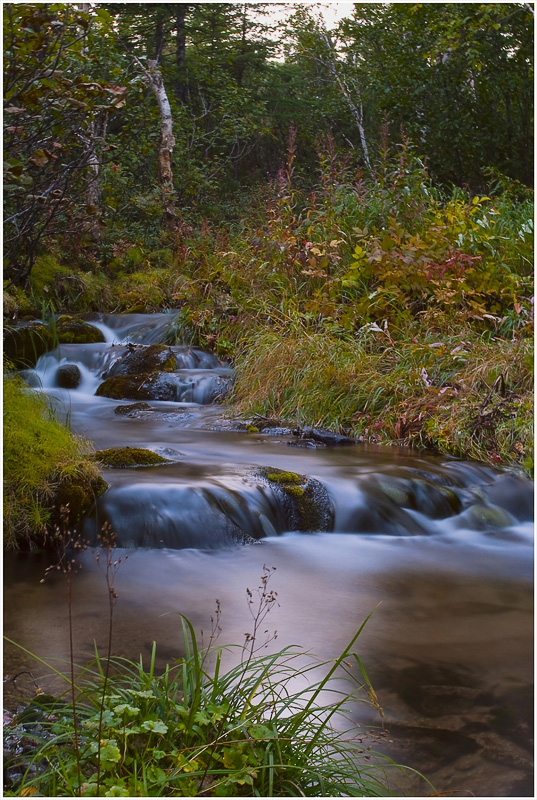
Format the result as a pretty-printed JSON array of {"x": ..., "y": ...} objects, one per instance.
[{"x": 272, "y": 725}]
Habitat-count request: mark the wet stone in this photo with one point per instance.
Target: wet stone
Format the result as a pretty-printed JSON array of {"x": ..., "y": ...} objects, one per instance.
[
  {"x": 484, "y": 518},
  {"x": 131, "y": 409},
  {"x": 328, "y": 438},
  {"x": 68, "y": 376},
  {"x": 139, "y": 359},
  {"x": 514, "y": 494},
  {"x": 436, "y": 502},
  {"x": 306, "y": 501}
]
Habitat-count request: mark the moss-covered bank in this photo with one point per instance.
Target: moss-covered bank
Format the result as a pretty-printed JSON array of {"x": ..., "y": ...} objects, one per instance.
[{"x": 45, "y": 468}]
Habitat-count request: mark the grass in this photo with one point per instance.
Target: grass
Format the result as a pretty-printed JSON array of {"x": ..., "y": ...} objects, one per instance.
[
  {"x": 275, "y": 724},
  {"x": 436, "y": 391},
  {"x": 43, "y": 465}
]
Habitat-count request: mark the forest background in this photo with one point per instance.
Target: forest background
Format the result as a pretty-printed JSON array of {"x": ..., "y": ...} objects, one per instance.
[{"x": 345, "y": 215}]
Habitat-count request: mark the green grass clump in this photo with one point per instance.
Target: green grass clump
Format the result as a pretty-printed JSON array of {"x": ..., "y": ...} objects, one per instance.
[
  {"x": 42, "y": 462},
  {"x": 273, "y": 725}
]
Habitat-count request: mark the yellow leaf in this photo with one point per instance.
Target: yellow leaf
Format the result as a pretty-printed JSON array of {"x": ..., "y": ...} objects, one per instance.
[{"x": 40, "y": 158}]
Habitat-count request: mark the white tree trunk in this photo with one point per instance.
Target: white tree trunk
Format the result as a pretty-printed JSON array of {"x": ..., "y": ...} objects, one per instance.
[
  {"x": 153, "y": 79},
  {"x": 355, "y": 107}
]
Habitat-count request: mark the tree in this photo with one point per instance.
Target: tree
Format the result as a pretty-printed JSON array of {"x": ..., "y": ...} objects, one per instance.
[
  {"x": 55, "y": 94},
  {"x": 457, "y": 77}
]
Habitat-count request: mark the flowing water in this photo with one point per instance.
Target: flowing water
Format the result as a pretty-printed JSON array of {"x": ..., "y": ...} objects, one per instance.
[{"x": 439, "y": 549}]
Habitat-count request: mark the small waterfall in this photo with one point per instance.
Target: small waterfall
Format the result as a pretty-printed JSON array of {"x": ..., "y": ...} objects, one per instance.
[{"x": 136, "y": 328}]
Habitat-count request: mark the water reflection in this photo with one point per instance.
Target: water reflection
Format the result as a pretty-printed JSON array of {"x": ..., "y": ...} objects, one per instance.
[{"x": 448, "y": 647}]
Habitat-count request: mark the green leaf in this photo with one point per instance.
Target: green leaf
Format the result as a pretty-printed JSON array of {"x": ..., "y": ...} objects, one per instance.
[{"x": 154, "y": 726}]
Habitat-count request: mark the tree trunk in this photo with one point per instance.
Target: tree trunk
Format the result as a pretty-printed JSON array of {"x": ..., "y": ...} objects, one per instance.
[
  {"x": 180, "y": 49},
  {"x": 153, "y": 79},
  {"x": 355, "y": 107},
  {"x": 159, "y": 39}
]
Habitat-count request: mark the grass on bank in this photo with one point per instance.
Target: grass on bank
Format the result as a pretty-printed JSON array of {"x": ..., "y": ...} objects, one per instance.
[
  {"x": 448, "y": 390},
  {"x": 44, "y": 466},
  {"x": 276, "y": 724}
]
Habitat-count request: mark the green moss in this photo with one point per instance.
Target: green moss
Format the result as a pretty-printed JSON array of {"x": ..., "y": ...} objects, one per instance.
[
  {"x": 78, "y": 495},
  {"x": 76, "y": 331},
  {"x": 252, "y": 429},
  {"x": 120, "y": 387},
  {"x": 283, "y": 477},
  {"x": 45, "y": 273},
  {"x": 295, "y": 491},
  {"x": 120, "y": 457},
  {"x": 44, "y": 466}
]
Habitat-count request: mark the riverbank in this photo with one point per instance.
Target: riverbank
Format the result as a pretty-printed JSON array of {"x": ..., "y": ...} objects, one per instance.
[{"x": 385, "y": 309}]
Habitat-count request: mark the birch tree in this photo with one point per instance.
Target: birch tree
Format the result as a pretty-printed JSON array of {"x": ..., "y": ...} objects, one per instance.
[{"x": 152, "y": 77}]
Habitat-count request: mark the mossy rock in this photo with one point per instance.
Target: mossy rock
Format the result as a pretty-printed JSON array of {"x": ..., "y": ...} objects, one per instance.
[
  {"x": 135, "y": 387},
  {"x": 138, "y": 360},
  {"x": 75, "y": 331},
  {"x": 78, "y": 495},
  {"x": 436, "y": 502},
  {"x": 284, "y": 478},
  {"x": 123, "y": 457},
  {"x": 24, "y": 345},
  {"x": 484, "y": 518},
  {"x": 306, "y": 501}
]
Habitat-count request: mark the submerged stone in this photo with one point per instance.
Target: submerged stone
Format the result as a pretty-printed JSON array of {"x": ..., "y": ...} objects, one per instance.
[
  {"x": 433, "y": 500},
  {"x": 203, "y": 387},
  {"x": 484, "y": 518},
  {"x": 381, "y": 515},
  {"x": 131, "y": 408},
  {"x": 513, "y": 493}
]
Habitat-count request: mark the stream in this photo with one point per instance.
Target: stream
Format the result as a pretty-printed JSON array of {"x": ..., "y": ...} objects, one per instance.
[{"x": 440, "y": 550}]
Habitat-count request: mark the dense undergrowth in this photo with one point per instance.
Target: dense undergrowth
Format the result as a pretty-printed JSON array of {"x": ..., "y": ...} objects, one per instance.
[{"x": 384, "y": 307}]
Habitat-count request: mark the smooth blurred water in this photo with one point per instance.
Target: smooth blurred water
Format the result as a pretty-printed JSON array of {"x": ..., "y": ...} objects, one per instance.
[{"x": 446, "y": 569}]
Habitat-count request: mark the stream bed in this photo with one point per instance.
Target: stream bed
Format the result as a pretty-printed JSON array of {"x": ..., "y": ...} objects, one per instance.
[{"x": 440, "y": 550}]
